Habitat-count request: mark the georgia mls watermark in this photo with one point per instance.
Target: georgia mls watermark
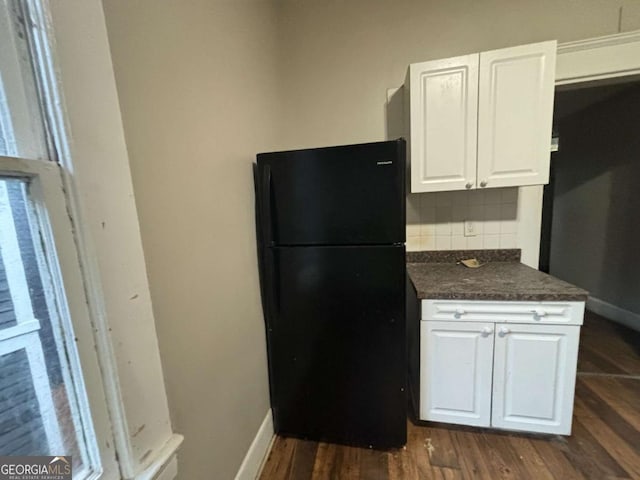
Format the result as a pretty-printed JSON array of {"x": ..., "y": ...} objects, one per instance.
[{"x": 35, "y": 468}]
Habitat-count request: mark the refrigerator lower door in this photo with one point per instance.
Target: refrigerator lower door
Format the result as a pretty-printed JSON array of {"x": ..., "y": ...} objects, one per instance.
[{"x": 336, "y": 340}]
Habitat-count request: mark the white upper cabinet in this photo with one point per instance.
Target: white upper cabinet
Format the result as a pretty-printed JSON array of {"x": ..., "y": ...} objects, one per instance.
[
  {"x": 515, "y": 113},
  {"x": 444, "y": 114},
  {"x": 481, "y": 120}
]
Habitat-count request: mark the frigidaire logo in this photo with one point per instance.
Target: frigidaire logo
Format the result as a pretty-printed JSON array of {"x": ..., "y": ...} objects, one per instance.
[
  {"x": 386, "y": 162},
  {"x": 35, "y": 468}
]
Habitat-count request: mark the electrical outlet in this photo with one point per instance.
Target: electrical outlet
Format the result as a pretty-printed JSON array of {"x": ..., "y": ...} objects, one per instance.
[{"x": 470, "y": 228}]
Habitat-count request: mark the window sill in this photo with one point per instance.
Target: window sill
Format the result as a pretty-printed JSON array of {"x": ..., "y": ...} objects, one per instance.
[{"x": 162, "y": 465}]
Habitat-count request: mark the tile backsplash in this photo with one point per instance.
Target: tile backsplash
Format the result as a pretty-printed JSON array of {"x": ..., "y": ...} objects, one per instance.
[{"x": 436, "y": 221}]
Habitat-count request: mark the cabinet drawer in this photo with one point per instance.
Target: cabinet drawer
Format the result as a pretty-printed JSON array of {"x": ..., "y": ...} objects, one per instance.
[{"x": 565, "y": 313}]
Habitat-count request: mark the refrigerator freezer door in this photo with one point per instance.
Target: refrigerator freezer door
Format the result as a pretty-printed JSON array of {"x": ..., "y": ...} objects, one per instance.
[
  {"x": 347, "y": 195},
  {"x": 336, "y": 339}
]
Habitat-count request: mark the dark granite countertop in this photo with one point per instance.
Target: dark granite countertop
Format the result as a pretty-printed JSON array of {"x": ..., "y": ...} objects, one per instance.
[{"x": 496, "y": 280}]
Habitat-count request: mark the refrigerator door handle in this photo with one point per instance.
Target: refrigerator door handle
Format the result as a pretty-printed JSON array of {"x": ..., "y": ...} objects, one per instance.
[
  {"x": 271, "y": 275},
  {"x": 267, "y": 234},
  {"x": 273, "y": 282}
]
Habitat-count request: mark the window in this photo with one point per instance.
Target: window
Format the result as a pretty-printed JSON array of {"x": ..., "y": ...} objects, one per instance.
[
  {"x": 39, "y": 414},
  {"x": 22, "y": 132},
  {"x": 47, "y": 355}
]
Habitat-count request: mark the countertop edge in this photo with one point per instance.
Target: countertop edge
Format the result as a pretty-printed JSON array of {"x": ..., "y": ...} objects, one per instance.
[
  {"x": 502, "y": 297},
  {"x": 537, "y": 287}
]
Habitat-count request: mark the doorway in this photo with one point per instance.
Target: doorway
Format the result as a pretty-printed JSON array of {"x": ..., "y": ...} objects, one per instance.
[
  {"x": 591, "y": 218},
  {"x": 590, "y": 209},
  {"x": 596, "y": 125}
]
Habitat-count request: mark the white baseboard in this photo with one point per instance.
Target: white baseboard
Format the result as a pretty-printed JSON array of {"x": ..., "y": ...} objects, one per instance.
[
  {"x": 258, "y": 451},
  {"x": 617, "y": 314}
]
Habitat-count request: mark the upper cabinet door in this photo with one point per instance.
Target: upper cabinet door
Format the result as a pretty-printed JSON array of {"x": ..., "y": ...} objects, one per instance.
[
  {"x": 515, "y": 112},
  {"x": 443, "y": 97}
]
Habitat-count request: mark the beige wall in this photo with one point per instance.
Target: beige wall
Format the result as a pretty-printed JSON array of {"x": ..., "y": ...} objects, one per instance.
[{"x": 197, "y": 87}]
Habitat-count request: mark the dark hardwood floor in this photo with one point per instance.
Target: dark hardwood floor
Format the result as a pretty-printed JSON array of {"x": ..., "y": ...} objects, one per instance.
[
  {"x": 607, "y": 347},
  {"x": 605, "y": 443}
]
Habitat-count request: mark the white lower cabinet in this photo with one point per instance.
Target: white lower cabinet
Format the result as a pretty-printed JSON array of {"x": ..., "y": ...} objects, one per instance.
[{"x": 486, "y": 370}]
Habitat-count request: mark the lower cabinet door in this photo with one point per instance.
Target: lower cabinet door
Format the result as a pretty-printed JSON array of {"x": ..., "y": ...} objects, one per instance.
[
  {"x": 534, "y": 377},
  {"x": 455, "y": 372}
]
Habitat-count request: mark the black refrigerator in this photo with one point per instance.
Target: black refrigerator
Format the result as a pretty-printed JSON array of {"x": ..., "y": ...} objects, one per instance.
[{"x": 331, "y": 232}]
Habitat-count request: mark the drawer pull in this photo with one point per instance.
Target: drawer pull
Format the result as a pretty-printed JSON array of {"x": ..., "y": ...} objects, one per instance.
[
  {"x": 459, "y": 312},
  {"x": 503, "y": 331},
  {"x": 538, "y": 314},
  {"x": 486, "y": 331}
]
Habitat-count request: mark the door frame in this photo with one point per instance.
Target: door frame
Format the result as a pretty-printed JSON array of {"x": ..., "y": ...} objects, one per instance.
[
  {"x": 599, "y": 58},
  {"x": 583, "y": 61}
]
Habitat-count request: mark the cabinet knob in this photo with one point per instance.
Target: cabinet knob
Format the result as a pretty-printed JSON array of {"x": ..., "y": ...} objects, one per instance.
[
  {"x": 483, "y": 183},
  {"x": 468, "y": 185},
  {"x": 503, "y": 331},
  {"x": 459, "y": 312},
  {"x": 486, "y": 331}
]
